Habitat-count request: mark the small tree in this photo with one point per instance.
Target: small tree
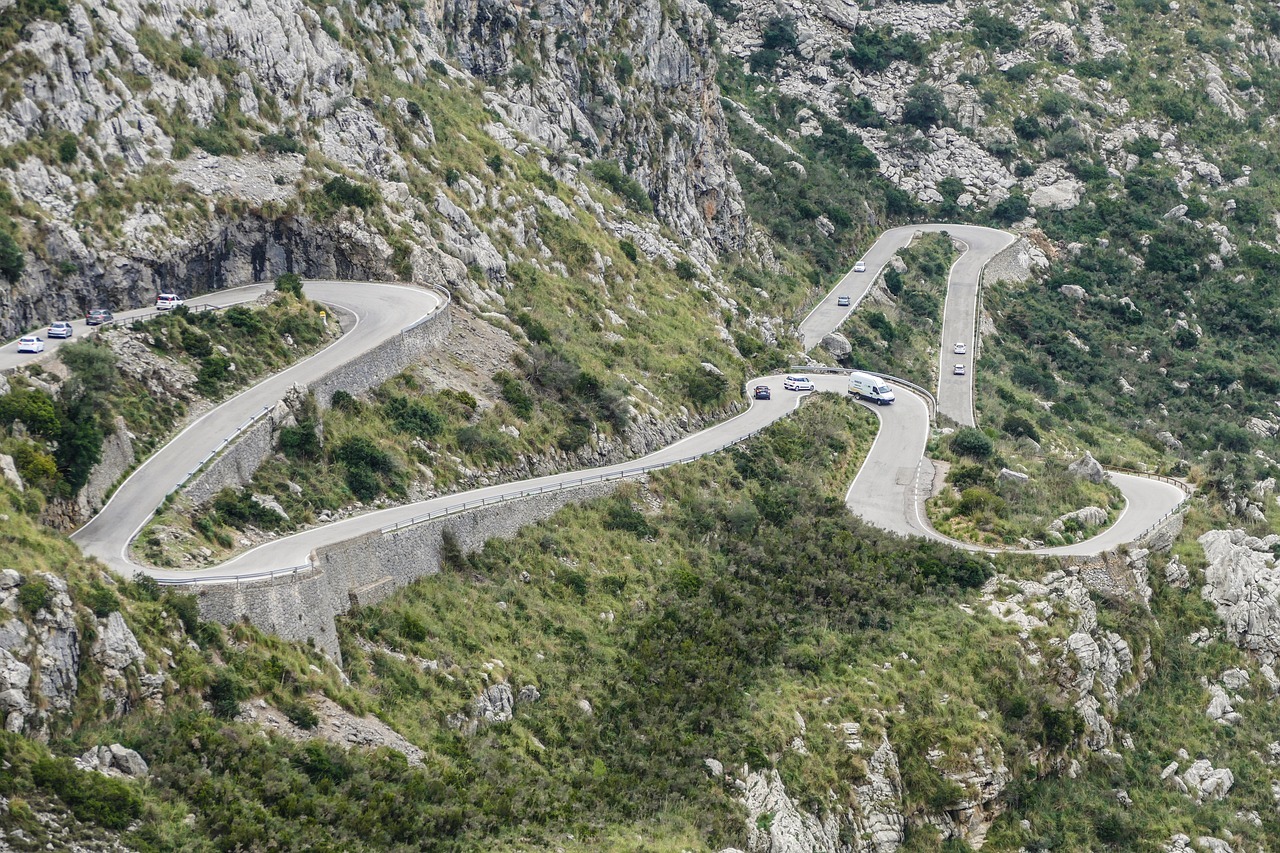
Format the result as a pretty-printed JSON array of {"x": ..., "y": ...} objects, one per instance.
[
  {"x": 291, "y": 284},
  {"x": 924, "y": 107},
  {"x": 972, "y": 442},
  {"x": 12, "y": 261}
]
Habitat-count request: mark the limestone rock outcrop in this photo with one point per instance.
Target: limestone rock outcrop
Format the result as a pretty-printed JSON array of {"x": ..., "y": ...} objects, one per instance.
[{"x": 1242, "y": 582}]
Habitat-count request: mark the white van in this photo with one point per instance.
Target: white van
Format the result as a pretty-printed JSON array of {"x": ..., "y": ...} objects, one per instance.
[
  {"x": 797, "y": 383},
  {"x": 864, "y": 386}
]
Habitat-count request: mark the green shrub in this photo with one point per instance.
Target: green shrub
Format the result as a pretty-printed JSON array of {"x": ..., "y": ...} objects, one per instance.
[
  {"x": 924, "y": 107},
  {"x": 976, "y": 500},
  {"x": 611, "y": 175},
  {"x": 102, "y": 600},
  {"x": 34, "y": 409},
  {"x": 301, "y": 715},
  {"x": 281, "y": 143},
  {"x": 290, "y": 283},
  {"x": 1059, "y": 727},
  {"x": 92, "y": 797},
  {"x": 12, "y": 261},
  {"x": 485, "y": 444},
  {"x": 623, "y": 516},
  {"x": 513, "y": 391},
  {"x": 685, "y": 270},
  {"x": 629, "y": 249},
  {"x": 967, "y": 476},
  {"x": 704, "y": 388},
  {"x": 68, "y": 148},
  {"x": 225, "y": 693},
  {"x": 368, "y": 467},
  {"x": 414, "y": 417},
  {"x": 873, "y": 50},
  {"x": 33, "y": 596},
  {"x": 779, "y": 33},
  {"x": 344, "y": 402},
  {"x": 1020, "y": 426},
  {"x": 344, "y": 192},
  {"x": 573, "y": 438},
  {"x": 968, "y": 441},
  {"x": 301, "y": 441},
  {"x": 993, "y": 32}
]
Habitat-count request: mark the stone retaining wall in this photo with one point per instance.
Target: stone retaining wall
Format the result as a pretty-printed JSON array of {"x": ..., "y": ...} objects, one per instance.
[
  {"x": 1015, "y": 263},
  {"x": 237, "y": 464},
  {"x": 369, "y": 568}
]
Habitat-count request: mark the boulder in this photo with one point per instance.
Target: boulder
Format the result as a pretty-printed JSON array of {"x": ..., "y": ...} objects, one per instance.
[
  {"x": 1086, "y": 517},
  {"x": 10, "y": 472},
  {"x": 495, "y": 705},
  {"x": 1011, "y": 476},
  {"x": 115, "y": 761},
  {"x": 837, "y": 344},
  {"x": 1088, "y": 468}
]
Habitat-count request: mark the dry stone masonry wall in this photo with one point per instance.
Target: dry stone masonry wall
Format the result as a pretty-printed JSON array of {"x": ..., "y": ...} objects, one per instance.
[
  {"x": 367, "y": 569},
  {"x": 238, "y": 463}
]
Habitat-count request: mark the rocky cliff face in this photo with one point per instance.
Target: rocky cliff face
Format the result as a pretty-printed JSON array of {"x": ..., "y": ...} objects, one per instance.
[{"x": 109, "y": 108}]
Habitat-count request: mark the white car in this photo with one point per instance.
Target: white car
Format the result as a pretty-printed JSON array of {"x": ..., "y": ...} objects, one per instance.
[
  {"x": 31, "y": 343},
  {"x": 958, "y": 370},
  {"x": 798, "y": 383},
  {"x": 61, "y": 329},
  {"x": 165, "y": 301},
  {"x": 960, "y": 349},
  {"x": 860, "y": 266}
]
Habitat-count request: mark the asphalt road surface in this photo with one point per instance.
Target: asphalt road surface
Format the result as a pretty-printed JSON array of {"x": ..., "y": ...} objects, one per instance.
[
  {"x": 11, "y": 358},
  {"x": 380, "y": 311},
  {"x": 887, "y": 490}
]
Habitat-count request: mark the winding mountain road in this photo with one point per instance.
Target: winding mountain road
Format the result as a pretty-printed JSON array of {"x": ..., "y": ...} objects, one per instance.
[{"x": 886, "y": 491}]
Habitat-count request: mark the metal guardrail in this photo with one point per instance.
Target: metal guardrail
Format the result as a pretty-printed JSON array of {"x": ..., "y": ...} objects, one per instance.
[
  {"x": 446, "y": 297},
  {"x": 835, "y": 371},
  {"x": 466, "y": 506}
]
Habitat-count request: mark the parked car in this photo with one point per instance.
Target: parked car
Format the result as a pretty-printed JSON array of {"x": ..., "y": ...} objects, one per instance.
[
  {"x": 798, "y": 383},
  {"x": 98, "y": 316},
  {"x": 842, "y": 301},
  {"x": 762, "y": 393},
  {"x": 958, "y": 370},
  {"x": 165, "y": 301},
  {"x": 960, "y": 349},
  {"x": 61, "y": 329},
  {"x": 31, "y": 343},
  {"x": 860, "y": 266}
]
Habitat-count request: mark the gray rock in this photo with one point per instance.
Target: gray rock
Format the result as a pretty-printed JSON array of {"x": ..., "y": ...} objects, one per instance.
[
  {"x": 10, "y": 472},
  {"x": 270, "y": 504},
  {"x": 495, "y": 705},
  {"x": 114, "y": 760},
  {"x": 1088, "y": 468},
  {"x": 1220, "y": 710},
  {"x": 1011, "y": 476},
  {"x": 837, "y": 344},
  {"x": 1073, "y": 291},
  {"x": 1242, "y": 584},
  {"x": 528, "y": 693},
  {"x": 1176, "y": 574},
  {"x": 1086, "y": 518}
]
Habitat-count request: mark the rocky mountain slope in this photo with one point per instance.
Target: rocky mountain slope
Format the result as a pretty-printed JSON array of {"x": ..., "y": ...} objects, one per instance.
[
  {"x": 184, "y": 145},
  {"x": 650, "y": 186}
]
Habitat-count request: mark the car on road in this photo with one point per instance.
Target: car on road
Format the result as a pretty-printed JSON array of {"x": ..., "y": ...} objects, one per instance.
[
  {"x": 61, "y": 330},
  {"x": 98, "y": 316},
  {"x": 960, "y": 349},
  {"x": 31, "y": 343},
  {"x": 860, "y": 266},
  {"x": 798, "y": 383},
  {"x": 958, "y": 370},
  {"x": 166, "y": 301},
  {"x": 842, "y": 301},
  {"x": 762, "y": 393}
]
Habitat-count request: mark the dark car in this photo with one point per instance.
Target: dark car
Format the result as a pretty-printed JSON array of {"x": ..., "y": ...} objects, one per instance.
[
  {"x": 762, "y": 393},
  {"x": 98, "y": 316}
]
